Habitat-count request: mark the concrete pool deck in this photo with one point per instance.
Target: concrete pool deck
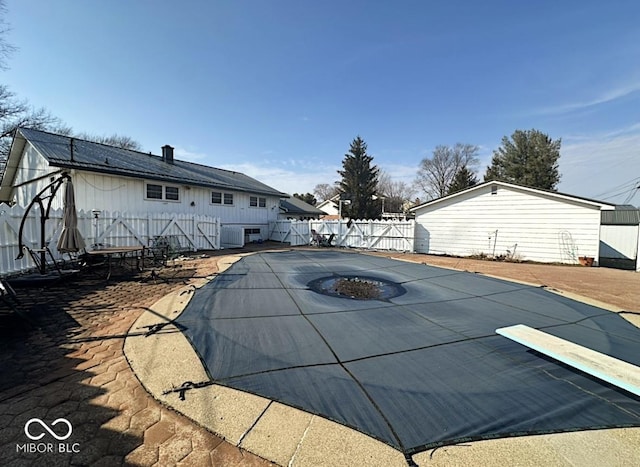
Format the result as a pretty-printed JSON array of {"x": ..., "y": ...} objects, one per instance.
[{"x": 164, "y": 360}]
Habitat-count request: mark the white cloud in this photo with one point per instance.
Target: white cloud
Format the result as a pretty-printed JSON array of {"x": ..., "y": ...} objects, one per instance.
[
  {"x": 601, "y": 166},
  {"x": 400, "y": 172},
  {"x": 301, "y": 180},
  {"x": 190, "y": 156},
  {"x": 604, "y": 97},
  {"x": 302, "y": 177}
]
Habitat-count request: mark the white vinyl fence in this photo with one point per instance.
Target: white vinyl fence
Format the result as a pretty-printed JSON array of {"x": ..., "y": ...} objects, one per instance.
[
  {"x": 294, "y": 232},
  {"x": 620, "y": 242},
  {"x": 232, "y": 236},
  {"x": 190, "y": 232},
  {"x": 369, "y": 234}
]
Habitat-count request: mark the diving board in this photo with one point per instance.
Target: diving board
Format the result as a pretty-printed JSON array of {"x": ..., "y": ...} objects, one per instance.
[{"x": 610, "y": 369}]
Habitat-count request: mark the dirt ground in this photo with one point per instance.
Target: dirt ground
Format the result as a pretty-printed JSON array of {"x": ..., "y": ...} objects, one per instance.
[
  {"x": 611, "y": 286},
  {"x": 615, "y": 287}
]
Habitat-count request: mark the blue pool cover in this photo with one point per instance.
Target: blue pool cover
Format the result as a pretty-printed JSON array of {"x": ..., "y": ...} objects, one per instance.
[{"x": 420, "y": 370}]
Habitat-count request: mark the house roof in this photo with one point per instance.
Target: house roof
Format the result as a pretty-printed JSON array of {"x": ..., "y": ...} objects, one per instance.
[
  {"x": 71, "y": 153},
  {"x": 297, "y": 206},
  {"x": 622, "y": 215},
  {"x": 327, "y": 202},
  {"x": 536, "y": 191}
]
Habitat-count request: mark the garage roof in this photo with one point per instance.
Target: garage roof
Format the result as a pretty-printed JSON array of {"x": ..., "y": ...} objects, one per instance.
[{"x": 534, "y": 191}]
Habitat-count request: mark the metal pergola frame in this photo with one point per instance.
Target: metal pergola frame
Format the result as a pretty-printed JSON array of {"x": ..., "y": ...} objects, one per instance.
[{"x": 40, "y": 199}]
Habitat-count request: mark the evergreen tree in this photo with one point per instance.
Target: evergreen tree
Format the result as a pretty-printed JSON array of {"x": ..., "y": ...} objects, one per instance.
[
  {"x": 359, "y": 182},
  {"x": 529, "y": 158},
  {"x": 462, "y": 180}
]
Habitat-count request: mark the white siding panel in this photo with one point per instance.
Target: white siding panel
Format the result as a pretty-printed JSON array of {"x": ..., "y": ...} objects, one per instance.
[
  {"x": 232, "y": 236},
  {"x": 537, "y": 228},
  {"x": 33, "y": 166},
  {"x": 105, "y": 192},
  {"x": 123, "y": 194},
  {"x": 619, "y": 241}
]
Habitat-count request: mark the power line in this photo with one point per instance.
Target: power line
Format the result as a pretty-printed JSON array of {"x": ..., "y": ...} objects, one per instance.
[
  {"x": 616, "y": 194},
  {"x": 632, "y": 193},
  {"x": 623, "y": 187}
]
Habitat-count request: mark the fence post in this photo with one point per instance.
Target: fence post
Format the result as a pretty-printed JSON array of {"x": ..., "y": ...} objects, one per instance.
[
  {"x": 121, "y": 228},
  {"x": 638, "y": 251}
]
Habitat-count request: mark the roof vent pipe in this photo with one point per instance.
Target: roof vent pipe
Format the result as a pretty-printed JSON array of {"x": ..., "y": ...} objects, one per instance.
[{"x": 167, "y": 154}]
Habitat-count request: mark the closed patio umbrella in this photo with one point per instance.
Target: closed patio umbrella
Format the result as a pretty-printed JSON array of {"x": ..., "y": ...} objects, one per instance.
[{"x": 70, "y": 240}]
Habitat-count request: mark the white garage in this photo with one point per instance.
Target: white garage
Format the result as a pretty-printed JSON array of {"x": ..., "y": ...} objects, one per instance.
[{"x": 503, "y": 220}]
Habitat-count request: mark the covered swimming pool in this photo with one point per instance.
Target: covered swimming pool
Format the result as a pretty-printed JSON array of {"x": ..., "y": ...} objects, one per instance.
[{"x": 416, "y": 369}]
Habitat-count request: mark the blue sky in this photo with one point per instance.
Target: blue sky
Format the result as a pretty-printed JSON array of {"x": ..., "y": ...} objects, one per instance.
[{"x": 278, "y": 89}]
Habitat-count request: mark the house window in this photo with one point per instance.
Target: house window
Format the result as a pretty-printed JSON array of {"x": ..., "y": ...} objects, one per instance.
[
  {"x": 168, "y": 193},
  {"x": 172, "y": 193},
  {"x": 218, "y": 197},
  {"x": 255, "y": 202},
  {"x": 494, "y": 189},
  {"x": 154, "y": 191}
]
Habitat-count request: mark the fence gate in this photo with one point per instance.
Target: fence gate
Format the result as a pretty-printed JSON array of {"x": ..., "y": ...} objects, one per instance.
[
  {"x": 190, "y": 231},
  {"x": 392, "y": 235},
  {"x": 295, "y": 233},
  {"x": 381, "y": 235}
]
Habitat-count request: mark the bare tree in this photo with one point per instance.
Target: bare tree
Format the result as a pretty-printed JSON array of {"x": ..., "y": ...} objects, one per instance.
[
  {"x": 395, "y": 192},
  {"x": 16, "y": 113},
  {"x": 436, "y": 173},
  {"x": 13, "y": 111},
  {"x": 6, "y": 49},
  {"x": 324, "y": 191},
  {"x": 120, "y": 141},
  {"x": 9, "y": 105}
]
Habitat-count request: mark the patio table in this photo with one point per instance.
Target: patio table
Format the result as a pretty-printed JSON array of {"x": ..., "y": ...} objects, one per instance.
[{"x": 119, "y": 253}]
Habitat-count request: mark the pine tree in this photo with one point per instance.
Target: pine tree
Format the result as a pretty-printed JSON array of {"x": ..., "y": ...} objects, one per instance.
[
  {"x": 529, "y": 158},
  {"x": 462, "y": 180},
  {"x": 359, "y": 182}
]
